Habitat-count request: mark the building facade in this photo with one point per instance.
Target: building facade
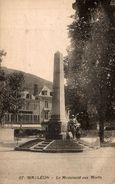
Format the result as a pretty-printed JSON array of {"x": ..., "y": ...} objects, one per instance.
[{"x": 35, "y": 110}]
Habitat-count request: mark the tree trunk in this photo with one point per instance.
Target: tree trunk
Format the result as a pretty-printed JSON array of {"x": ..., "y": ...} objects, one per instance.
[
  {"x": 101, "y": 131},
  {"x": 1, "y": 118},
  {"x": 101, "y": 126}
]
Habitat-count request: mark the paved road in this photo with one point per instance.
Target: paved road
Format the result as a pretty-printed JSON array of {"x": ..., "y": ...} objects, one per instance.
[{"x": 95, "y": 167}]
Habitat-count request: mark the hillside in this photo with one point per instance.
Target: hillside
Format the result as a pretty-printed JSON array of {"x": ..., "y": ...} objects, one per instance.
[{"x": 30, "y": 80}]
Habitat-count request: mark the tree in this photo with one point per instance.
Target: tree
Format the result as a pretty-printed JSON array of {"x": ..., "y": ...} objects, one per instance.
[
  {"x": 15, "y": 85},
  {"x": 2, "y": 82},
  {"x": 90, "y": 59},
  {"x": 10, "y": 98},
  {"x": 10, "y": 88},
  {"x": 2, "y": 53}
]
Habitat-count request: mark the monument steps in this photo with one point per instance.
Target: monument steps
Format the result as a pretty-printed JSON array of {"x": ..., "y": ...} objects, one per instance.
[
  {"x": 54, "y": 146},
  {"x": 27, "y": 145},
  {"x": 34, "y": 146},
  {"x": 41, "y": 146}
]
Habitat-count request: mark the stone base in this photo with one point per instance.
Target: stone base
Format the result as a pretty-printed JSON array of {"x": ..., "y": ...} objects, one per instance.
[
  {"x": 52, "y": 146},
  {"x": 64, "y": 146},
  {"x": 54, "y": 130}
]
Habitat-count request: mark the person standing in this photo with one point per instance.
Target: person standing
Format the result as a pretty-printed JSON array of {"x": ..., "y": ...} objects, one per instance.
[
  {"x": 71, "y": 127},
  {"x": 78, "y": 130}
]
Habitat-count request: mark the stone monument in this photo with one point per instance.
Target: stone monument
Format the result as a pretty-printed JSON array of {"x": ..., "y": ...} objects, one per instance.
[{"x": 58, "y": 123}]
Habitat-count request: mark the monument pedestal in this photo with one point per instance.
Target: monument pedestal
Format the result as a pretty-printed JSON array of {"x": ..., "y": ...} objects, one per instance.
[
  {"x": 54, "y": 130},
  {"x": 58, "y": 122}
]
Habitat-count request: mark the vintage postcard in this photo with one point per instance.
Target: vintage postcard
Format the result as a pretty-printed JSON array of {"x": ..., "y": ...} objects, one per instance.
[{"x": 57, "y": 92}]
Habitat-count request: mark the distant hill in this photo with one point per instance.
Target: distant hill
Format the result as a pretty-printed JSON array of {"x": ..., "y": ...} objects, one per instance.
[{"x": 30, "y": 80}]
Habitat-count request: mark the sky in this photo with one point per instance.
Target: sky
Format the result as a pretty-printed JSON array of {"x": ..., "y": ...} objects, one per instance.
[{"x": 31, "y": 31}]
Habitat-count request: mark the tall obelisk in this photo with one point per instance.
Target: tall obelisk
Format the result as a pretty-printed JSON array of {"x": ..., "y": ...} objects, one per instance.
[{"x": 58, "y": 122}]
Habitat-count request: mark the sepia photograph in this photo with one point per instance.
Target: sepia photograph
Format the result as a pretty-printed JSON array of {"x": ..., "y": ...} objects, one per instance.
[{"x": 57, "y": 91}]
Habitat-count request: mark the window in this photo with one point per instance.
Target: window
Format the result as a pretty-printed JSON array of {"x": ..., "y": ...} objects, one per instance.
[
  {"x": 46, "y": 104},
  {"x": 28, "y": 96},
  {"x": 44, "y": 92},
  {"x": 51, "y": 93},
  {"x": 46, "y": 115}
]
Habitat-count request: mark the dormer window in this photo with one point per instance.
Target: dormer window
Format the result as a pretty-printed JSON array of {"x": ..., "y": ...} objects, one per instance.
[
  {"x": 51, "y": 93},
  {"x": 44, "y": 92},
  {"x": 28, "y": 96}
]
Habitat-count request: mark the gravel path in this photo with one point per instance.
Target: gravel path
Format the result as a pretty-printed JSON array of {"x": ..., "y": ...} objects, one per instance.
[{"x": 95, "y": 167}]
